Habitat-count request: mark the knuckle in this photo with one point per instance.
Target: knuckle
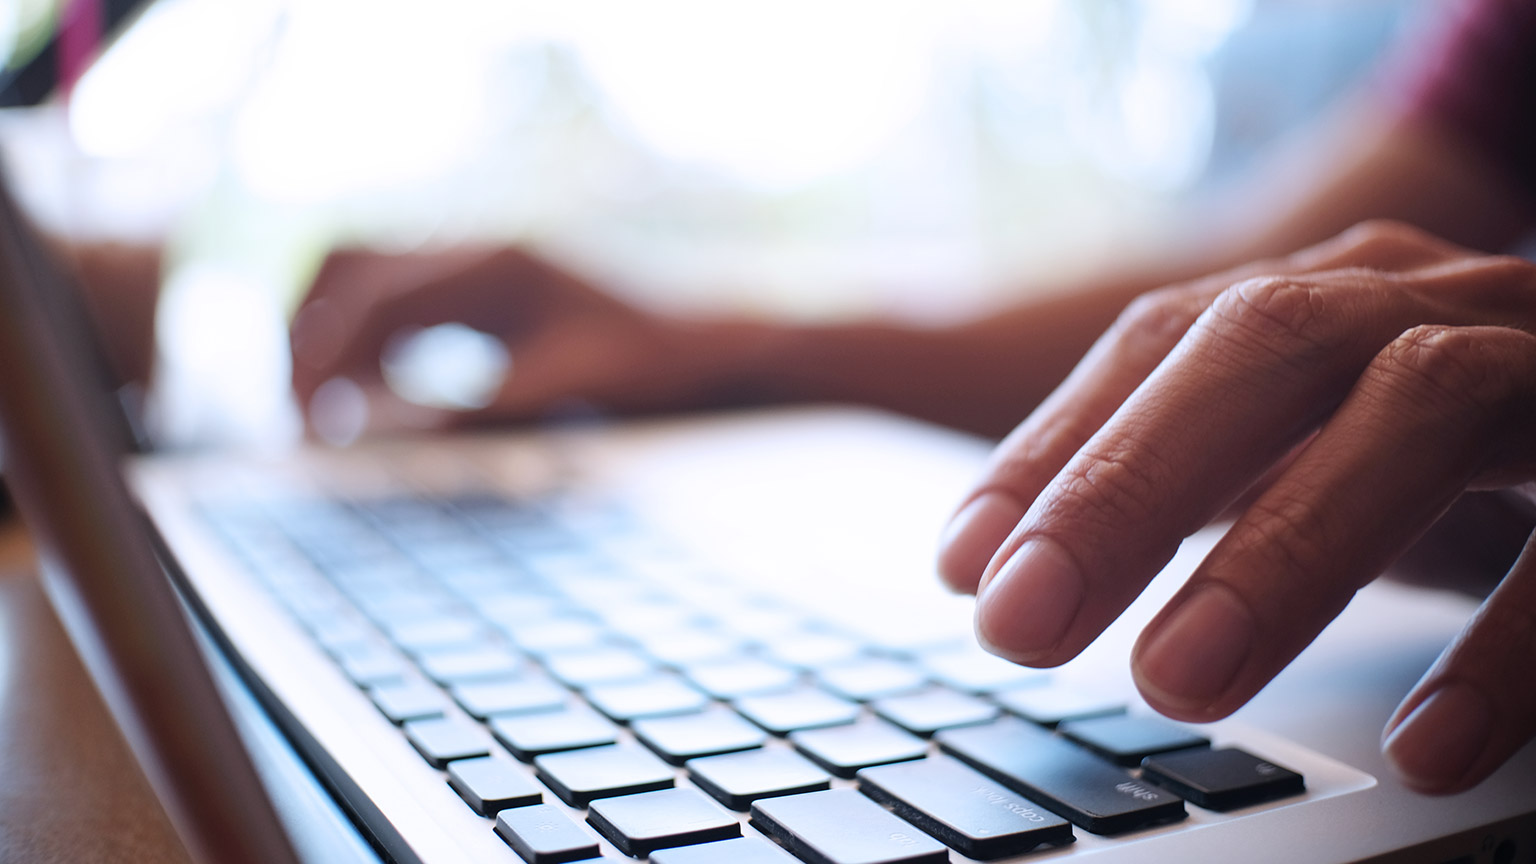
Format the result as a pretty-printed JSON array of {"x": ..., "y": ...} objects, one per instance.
[
  {"x": 1287, "y": 534},
  {"x": 1113, "y": 489},
  {"x": 1447, "y": 363},
  {"x": 1287, "y": 315},
  {"x": 1503, "y": 635},
  {"x": 1158, "y": 318},
  {"x": 1388, "y": 234}
]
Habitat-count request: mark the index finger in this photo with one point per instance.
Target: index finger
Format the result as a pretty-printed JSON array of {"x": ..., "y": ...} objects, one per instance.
[{"x": 1118, "y": 362}]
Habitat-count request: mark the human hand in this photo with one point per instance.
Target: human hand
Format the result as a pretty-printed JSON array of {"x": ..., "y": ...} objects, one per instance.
[
  {"x": 568, "y": 339},
  {"x": 1341, "y": 399}
]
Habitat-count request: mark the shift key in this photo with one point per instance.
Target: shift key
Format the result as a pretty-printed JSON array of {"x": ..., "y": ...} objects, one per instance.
[
  {"x": 968, "y": 811},
  {"x": 840, "y": 826},
  {"x": 1085, "y": 790}
]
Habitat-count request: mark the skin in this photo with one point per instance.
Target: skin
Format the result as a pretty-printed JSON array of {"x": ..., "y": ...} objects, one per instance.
[{"x": 1285, "y": 390}]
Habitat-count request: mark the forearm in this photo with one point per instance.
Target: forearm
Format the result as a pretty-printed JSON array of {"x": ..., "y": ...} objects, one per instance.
[{"x": 987, "y": 374}]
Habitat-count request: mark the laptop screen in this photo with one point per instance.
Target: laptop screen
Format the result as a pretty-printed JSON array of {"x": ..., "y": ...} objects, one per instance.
[{"x": 64, "y": 442}]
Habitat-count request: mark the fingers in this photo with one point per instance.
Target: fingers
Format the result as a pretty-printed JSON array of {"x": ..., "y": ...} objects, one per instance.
[
  {"x": 1143, "y": 335},
  {"x": 1256, "y": 374},
  {"x": 362, "y": 301},
  {"x": 1439, "y": 409},
  {"x": 1475, "y": 707}
]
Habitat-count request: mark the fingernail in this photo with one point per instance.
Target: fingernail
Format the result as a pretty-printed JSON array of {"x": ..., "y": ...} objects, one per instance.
[
  {"x": 1024, "y": 611},
  {"x": 1194, "y": 656},
  {"x": 971, "y": 538},
  {"x": 1439, "y": 742}
]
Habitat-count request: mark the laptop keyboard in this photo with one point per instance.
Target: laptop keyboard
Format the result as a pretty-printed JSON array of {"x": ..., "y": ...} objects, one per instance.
[{"x": 580, "y": 681}]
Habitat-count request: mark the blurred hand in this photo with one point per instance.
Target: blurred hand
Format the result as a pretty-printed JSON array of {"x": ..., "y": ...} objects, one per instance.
[
  {"x": 1341, "y": 400},
  {"x": 567, "y": 338}
]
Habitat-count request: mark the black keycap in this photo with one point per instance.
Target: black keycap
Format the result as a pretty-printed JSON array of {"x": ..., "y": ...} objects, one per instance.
[
  {"x": 742, "y": 850},
  {"x": 491, "y": 784},
  {"x": 968, "y": 811},
  {"x": 1052, "y": 704},
  {"x": 1221, "y": 779},
  {"x": 408, "y": 700},
  {"x": 738, "y": 779},
  {"x": 843, "y": 750},
  {"x": 931, "y": 710},
  {"x": 441, "y": 740},
  {"x": 840, "y": 826},
  {"x": 464, "y": 665},
  {"x": 542, "y": 834},
  {"x": 581, "y": 776},
  {"x": 1129, "y": 738},
  {"x": 747, "y": 676},
  {"x": 792, "y": 710},
  {"x": 639, "y": 824},
  {"x": 658, "y": 696},
  {"x": 689, "y": 736},
  {"x": 1069, "y": 781},
  {"x": 530, "y": 735},
  {"x": 523, "y": 695},
  {"x": 872, "y": 678}
]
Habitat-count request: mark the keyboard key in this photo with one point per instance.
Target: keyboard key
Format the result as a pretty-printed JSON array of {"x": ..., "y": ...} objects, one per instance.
[
  {"x": 1221, "y": 779},
  {"x": 370, "y": 664},
  {"x": 581, "y": 776},
  {"x": 408, "y": 700},
  {"x": 640, "y": 824},
  {"x": 931, "y": 710},
  {"x": 1070, "y": 782},
  {"x": 516, "y": 696},
  {"x": 973, "y": 670},
  {"x": 1129, "y": 738},
  {"x": 840, "y": 826},
  {"x": 969, "y": 812},
  {"x": 542, "y": 834},
  {"x": 872, "y": 678},
  {"x": 437, "y": 632},
  {"x": 689, "y": 736},
  {"x": 742, "y": 850},
  {"x": 843, "y": 750},
  {"x": 691, "y": 645},
  {"x": 441, "y": 740},
  {"x": 491, "y": 784},
  {"x": 568, "y": 633},
  {"x": 459, "y": 665},
  {"x": 732, "y": 679},
  {"x": 586, "y": 668},
  {"x": 811, "y": 650},
  {"x": 804, "y": 708},
  {"x": 530, "y": 735},
  {"x": 1053, "y": 704},
  {"x": 738, "y": 779},
  {"x": 653, "y": 697}
]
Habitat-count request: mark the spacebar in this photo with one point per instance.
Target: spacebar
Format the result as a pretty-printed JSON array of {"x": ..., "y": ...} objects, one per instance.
[{"x": 1079, "y": 787}]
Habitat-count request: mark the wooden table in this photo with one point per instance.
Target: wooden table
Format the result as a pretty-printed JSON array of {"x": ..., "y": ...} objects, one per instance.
[{"x": 70, "y": 790}]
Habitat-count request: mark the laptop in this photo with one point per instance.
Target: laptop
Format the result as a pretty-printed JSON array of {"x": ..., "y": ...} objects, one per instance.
[{"x": 705, "y": 639}]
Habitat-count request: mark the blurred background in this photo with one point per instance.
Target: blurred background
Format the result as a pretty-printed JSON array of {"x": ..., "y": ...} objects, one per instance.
[{"x": 814, "y": 158}]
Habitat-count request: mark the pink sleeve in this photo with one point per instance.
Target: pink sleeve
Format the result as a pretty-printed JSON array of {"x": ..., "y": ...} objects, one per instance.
[{"x": 1475, "y": 78}]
